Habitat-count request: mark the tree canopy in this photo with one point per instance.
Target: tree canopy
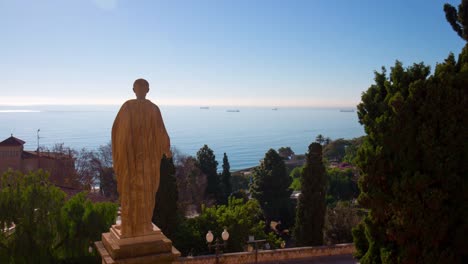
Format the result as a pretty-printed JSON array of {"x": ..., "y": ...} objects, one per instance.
[
  {"x": 207, "y": 163},
  {"x": 413, "y": 161},
  {"x": 341, "y": 185},
  {"x": 270, "y": 187},
  {"x": 47, "y": 227},
  {"x": 285, "y": 152},
  {"x": 311, "y": 205},
  {"x": 226, "y": 179},
  {"x": 240, "y": 218},
  {"x": 458, "y": 19}
]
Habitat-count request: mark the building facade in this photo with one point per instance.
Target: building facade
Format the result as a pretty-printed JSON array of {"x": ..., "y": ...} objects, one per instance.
[{"x": 60, "y": 166}]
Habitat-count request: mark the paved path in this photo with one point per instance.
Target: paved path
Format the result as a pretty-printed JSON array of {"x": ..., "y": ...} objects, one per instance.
[{"x": 338, "y": 259}]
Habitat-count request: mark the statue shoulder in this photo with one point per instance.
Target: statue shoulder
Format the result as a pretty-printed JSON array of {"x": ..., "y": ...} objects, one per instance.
[
  {"x": 127, "y": 104},
  {"x": 153, "y": 105}
]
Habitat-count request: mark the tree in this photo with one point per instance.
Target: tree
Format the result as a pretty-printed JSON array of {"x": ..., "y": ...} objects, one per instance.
[
  {"x": 166, "y": 213},
  {"x": 335, "y": 150},
  {"x": 87, "y": 167},
  {"x": 285, "y": 152},
  {"x": 296, "y": 178},
  {"x": 458, "y": 20},
  {"x": 271, "y": 188},
  {"x": 29, "y": 201},
  {"x": 413, "y": 162},
  {"x": 339, "y": 221},
  {"x": 207, "y": 163},
  {"x": 108, "y": 183},
  {"x": 351, "y": 150},
  {"x": 311, "y": 205},
  {"x": 226, "y": 178},
  {"x": 191, "y": 185},
  {"x": 341, "y": 185},
  {"x": 48, "y": 229},
  {"x": 320, "y": 139},
  {"x": 102, "y": 159},
  {"x": 240, "y": 218},
  {"x": 81, "y": 223}
]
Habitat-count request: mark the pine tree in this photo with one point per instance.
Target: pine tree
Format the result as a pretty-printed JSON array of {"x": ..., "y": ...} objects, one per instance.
[
  {"x": 226, "y": 178},
  {"x": 271, "y": 188},
  {"x": 414, "y": 175},
  {"x": 208, "y": 165},
  {"x": 458, "y": 19},
  {"x": 311, "y": 206},
  {"x": 165, "y": 214}
]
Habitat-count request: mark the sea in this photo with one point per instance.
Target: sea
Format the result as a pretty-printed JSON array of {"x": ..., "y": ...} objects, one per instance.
[{"x": 245, "y": 134}]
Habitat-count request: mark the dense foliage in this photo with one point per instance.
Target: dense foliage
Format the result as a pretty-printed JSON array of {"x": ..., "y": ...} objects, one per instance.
[
  {"x": 340, "y": 150},
  {"x": 285, "y": 152},
  {"x": 191, "y": 184},
  {"x": 240, "y": 219},
  {"x": 239, "y": 181},
  {"x": 339, "y": 221},
  {"x": 207, "y": 163},
  {"x": 458, "y": 19},
  {"x": 341, "y": 185},
  {"x": 295, "y": 174},
  {"x": 335, "y": 150},
  {"x": 311, "y": 205},
  {"x": 413, "y": 160},
  {"x": 352, "y": 149},
  {"x": 270, "y": 187},
  {"x": 47, "y": 228}
]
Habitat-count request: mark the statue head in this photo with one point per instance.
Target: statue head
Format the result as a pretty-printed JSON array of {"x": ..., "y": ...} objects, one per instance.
[{"x": 141, "y": 88}]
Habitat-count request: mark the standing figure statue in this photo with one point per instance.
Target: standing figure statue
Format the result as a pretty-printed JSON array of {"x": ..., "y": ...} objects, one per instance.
[{"x": 139, "y": 141}]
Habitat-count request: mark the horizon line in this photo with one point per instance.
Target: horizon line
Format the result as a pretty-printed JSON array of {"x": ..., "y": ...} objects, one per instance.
[{"x": 16, "y": 106}]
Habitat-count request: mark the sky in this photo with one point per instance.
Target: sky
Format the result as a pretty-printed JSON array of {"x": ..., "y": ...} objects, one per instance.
[{"x": 318, "y": 53}]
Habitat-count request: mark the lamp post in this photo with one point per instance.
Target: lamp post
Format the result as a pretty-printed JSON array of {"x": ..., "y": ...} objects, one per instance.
[
  {"x": 255, "y": 242},
  {"x": 217, "y": 244}
]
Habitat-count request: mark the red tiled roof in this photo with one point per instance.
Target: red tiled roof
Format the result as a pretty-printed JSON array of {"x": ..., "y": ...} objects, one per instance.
[
  {"x": 12, "y": 141},
  {"x": 27, "y": 154}
]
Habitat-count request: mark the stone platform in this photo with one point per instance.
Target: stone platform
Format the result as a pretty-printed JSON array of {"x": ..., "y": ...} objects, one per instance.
[{"x": 154, "y": 247}]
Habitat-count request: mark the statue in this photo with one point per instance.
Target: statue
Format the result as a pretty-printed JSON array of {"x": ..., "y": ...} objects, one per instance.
[{"x": 139, "y": 140}]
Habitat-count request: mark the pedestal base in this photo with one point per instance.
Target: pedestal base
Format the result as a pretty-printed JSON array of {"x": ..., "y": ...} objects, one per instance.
[{"x": 154, "y": 247}]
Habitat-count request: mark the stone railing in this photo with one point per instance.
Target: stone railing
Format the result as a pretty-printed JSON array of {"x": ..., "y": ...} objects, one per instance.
[{"x": 271, "y": 255}]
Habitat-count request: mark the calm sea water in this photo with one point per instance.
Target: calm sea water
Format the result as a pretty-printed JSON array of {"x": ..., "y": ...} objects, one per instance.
[{"x": 245, "y": 135}]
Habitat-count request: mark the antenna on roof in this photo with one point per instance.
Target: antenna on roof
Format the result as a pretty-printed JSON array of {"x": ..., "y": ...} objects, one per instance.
[{"x": 38, "y": 139}]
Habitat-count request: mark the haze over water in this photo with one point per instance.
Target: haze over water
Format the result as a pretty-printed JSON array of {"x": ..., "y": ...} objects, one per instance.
[{"x": 245, "y": 135}]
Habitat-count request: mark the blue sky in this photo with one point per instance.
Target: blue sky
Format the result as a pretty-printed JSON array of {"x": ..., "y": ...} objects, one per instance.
[{"x": 263, "y": 53}]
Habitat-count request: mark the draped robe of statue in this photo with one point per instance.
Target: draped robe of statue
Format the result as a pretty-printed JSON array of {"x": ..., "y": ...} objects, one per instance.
[{"x": 139, "y": 140}]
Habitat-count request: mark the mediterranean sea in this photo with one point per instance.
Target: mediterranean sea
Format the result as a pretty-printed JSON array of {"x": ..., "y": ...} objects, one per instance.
[{"x": 245, "y": 135}]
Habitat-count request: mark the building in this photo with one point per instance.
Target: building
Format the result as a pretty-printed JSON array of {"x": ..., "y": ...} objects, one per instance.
[{"x": 61, "y": 166}]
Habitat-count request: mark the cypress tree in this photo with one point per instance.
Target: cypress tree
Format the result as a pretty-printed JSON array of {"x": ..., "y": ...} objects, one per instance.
[
  {"x": 165, "y": 214},
  {"x": 271, "y": 188},
  {"x": 226, "y": 178},
  {"x": 310, "y": 214},
  {"x": 413, "y": 161},
  {"x": 206, "y": 161}
]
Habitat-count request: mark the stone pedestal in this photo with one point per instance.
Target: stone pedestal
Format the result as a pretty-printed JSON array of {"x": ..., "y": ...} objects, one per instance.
[{"x": 154, "y": 247}]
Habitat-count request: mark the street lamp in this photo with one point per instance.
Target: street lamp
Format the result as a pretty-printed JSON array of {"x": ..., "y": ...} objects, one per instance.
[
  {"x": 255, "y": 243},
  {"x": 209, "y": 239}
]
